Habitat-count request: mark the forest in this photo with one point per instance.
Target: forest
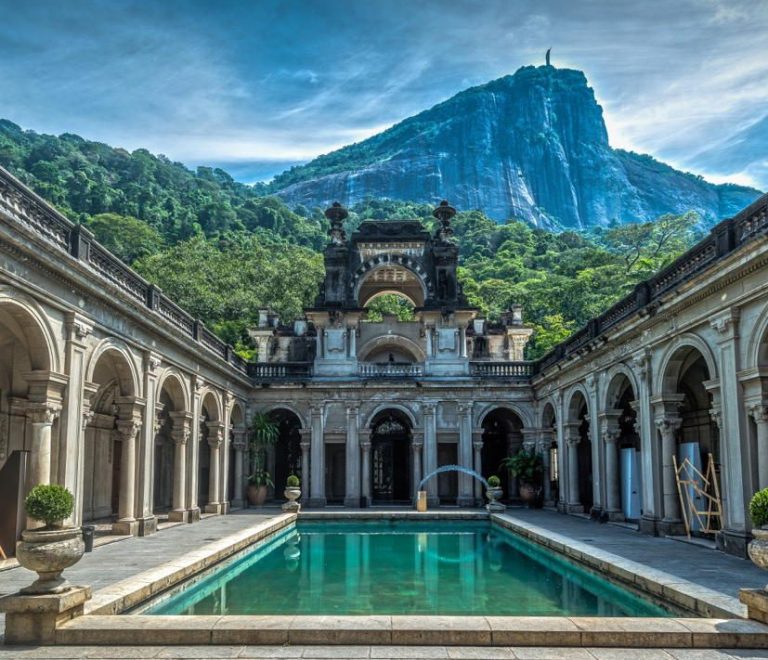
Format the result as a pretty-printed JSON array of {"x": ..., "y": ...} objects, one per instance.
[{"x": 223, "y": 250}]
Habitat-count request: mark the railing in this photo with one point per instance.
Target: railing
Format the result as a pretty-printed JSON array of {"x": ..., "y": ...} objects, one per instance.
[
  {"x": 23, "y": 206},
  {"x": 724, "y": 238},
  {"x": 522, "y": 370},
  {"x": 389, "y": 370},
  {"x": 271, "y": 370}
]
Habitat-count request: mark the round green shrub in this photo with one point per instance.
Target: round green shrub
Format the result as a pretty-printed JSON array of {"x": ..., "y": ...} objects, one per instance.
[
  {"x": 758, "y": 508},
  {"x": 494, "y": 481},
  {"x": 292, "y": 481},
  {"x": 49, "y": 503}
]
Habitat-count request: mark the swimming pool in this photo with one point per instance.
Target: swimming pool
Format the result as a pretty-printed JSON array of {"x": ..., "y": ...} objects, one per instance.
[{"x": 403, "y": 567}]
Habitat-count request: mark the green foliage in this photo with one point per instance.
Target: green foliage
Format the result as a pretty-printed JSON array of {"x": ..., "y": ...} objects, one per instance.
[
  {"x": 494, "y": 481},
  {"x": 260, "y": 477},
  {"x": 758, "y": 508},
  {"x": 49, "y": 503},
  {"x": 389, "y": 304},
  {"x": 528, "y": 466},
  {"x": 126, "y": 237},
  {"x": 292, "y": 481},
  {"x": 264, "y": 433}
]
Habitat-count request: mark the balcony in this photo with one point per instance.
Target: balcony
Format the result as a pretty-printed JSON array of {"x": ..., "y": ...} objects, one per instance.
[
  {"x": 513, "y": 370},
  {"x": 390, "y": 370},
  {"x": 280, "y": 370}
]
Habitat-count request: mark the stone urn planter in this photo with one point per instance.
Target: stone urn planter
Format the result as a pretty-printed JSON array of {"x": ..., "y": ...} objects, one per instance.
[
  {"x": 494, "y": 495},
  {"x": 292, "y": 494},
  {"x": 529, "y": 494},
  {"x": 48, "y": 552},
  {"x": 758, "y": 548}
]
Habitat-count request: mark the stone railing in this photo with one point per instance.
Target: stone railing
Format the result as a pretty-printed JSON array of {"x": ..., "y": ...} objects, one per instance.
[
  {"x": 272, "y": 370},
  {"x": 726, "y": 237},
  {"x": 389, "y": 370},
  {"x": 519, "y": 370},
  {"x": 20, "y": 205}
]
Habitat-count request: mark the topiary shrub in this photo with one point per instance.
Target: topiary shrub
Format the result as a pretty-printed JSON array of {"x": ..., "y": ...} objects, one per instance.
[
  {"x": 758, "y": 508},
  {"x": 494, "y": 481},
  {"x": 292, "y": 481},
  {"x": 49, "y": 503}
]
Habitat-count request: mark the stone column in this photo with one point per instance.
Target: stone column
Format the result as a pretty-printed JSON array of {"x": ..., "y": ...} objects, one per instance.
[
  {"x": 215, "y": 440},
  {"x": 180, "y": 432},
  {"x": 365, "y": 448},
  {"x": 317, "y": 464},
  {"x": 352, "y": 494},
  {"x": 193, "y": 450},
  {"x": 545, "y": 443},
  {"x": 759, "y": 413},
  {"x": 477, "y": 445},
  {"x": 466, "y": 496},
  {"x": 652, "y": 494},
  {"x": 417, "y": 446},
  {"x": 598, "y": 499},
  {"x": 41, "y": 417},
  {"x": 239, "y": 446},
  {"x": 667, "y": 427},
  {"x": 305, "y": 446},
  {"x": 146, "y": 453},
  {"x": 572, "y": 440},
  {"x": 430, "y": 451},
  {"x": 128, "y": 430},
  {"x": 610, "y": 434}
]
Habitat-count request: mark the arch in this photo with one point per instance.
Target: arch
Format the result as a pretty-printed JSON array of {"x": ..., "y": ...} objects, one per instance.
[
  {"x": 614, "y": 378},
  {"x": 573, "y": 406},
  {"x": 215, "y": 412},
  {"x": 673, "y": 358},
  {"x": 526, "y": 417},
  {"x": 30, "y": 325},
  {"x": 391, "y": 457},
  {"x": 172, "y": 382},
  {"x": 502, "y": 437},
  {"x": 391, "y": 406},
  {"x": 236, "y": 413},
  {"x": 401, "y": 262},
  {"x": 377, "y": 344},
  {"x": 123, "y": 362},
  {"x": 548, "y": 417},
  {"x": 757, "y": 346},
  {"x": 273, "y": 407},
  {"x": 391, "y": 292}
]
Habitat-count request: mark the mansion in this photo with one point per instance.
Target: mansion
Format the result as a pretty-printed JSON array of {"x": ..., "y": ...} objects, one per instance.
[{"x": 111, "y": 389}]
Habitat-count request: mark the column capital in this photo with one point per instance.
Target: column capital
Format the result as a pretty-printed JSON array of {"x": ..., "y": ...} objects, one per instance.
[
  {"x": 180, "y": 436},
  {"x": 716, "y": 413},
  {"x": 758, "y": 412},
  {"x": 478, "y": 445},
  {"x": 464, "y": 407},
  {"x": 43, "y": 413},
  {"x": 429, "y": 408},
  {"x": 668, "y": 423},
  {"x": 316, "y": 410},
  {"x": 129, "y": 428},
  {"x": 365, "y": 445},
  {"x": 725, "y": 324},
  {"x": 304, "y": 445},
  {"x": 416, "y": 446}
]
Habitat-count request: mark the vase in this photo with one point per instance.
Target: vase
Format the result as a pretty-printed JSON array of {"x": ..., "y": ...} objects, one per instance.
[
  {"x": 529, "y": 494},
  {"x": 257, "y": 495},
  {"x": 493, "y": 495},
  {"x": 758, "y": 548},
  {"x": 48, "y": 552},
  {"x": 292, "y": 493}
]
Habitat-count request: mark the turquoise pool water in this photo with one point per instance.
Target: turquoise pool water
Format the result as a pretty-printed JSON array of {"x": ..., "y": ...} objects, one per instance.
[{"x": 404, "y": 567}]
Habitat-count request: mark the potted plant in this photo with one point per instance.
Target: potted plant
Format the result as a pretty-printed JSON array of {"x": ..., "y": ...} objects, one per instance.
[
  {"x": 528, "y": 467},
  {"x": 258, "y": 483},
  {"x": 758, "y": 512},
  {"x": 494, "y": 493},
  {"x": 264, "y": 434},
  {"x": 50, "y": 549},
  {"x": 292, "y": 493}
]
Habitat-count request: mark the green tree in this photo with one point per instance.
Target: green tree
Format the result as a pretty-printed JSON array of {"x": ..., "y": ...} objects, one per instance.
[{"x": 126, "y": 237}]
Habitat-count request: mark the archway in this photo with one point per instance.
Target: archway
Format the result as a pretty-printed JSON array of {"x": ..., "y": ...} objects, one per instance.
[
  {"x": 551, "y": 454},
  {"x": 389, "y": 275},
  {"x": 285, "y": 455},
  {"x": 502, "y": 437},
  {"x": 391, "y": 437},
  {"x": 173, "y": 426},
  {"x": 686, "y": 427},
  {"x": 210, "y": 440},
  {"x": 577, "y": 428},
  {"x": 110, "y": 439},
  {"x": 235, "y": 475},
  {"x": 623, "y": 451}
]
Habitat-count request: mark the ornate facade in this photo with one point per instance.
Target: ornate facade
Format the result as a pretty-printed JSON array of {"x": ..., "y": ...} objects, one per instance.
[{"x": 109, "y": 388}]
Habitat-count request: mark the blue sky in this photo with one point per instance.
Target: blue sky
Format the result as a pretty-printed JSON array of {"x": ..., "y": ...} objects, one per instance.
[{"x": 258, "y": 85}]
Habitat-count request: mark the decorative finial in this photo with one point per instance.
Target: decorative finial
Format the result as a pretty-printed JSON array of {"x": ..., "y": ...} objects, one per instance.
[
  {"x": 549, "y": 50},
  {"x": 337, "y": 214},
  {"x": 444, "y": 213}
]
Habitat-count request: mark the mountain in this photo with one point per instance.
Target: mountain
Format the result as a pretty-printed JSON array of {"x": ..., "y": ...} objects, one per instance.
[
  {"x": 531, "y": 146},
  {"x": 744, "y": 152}
]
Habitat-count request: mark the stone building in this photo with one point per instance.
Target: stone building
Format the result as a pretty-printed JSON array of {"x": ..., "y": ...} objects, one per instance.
[{"x": 108, "y": 387}]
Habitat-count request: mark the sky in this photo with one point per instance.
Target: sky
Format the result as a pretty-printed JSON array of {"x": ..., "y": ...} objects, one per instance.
[{"x": 256, "y": 86}]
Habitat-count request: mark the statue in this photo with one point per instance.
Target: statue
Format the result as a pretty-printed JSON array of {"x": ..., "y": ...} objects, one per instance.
[{"x": 549, "y": 50}]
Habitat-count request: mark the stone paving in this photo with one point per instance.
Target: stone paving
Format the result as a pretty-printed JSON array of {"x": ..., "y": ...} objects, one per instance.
[
  {"x": 709, "y": 568},
  {"x": 374, "y": 652}
]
